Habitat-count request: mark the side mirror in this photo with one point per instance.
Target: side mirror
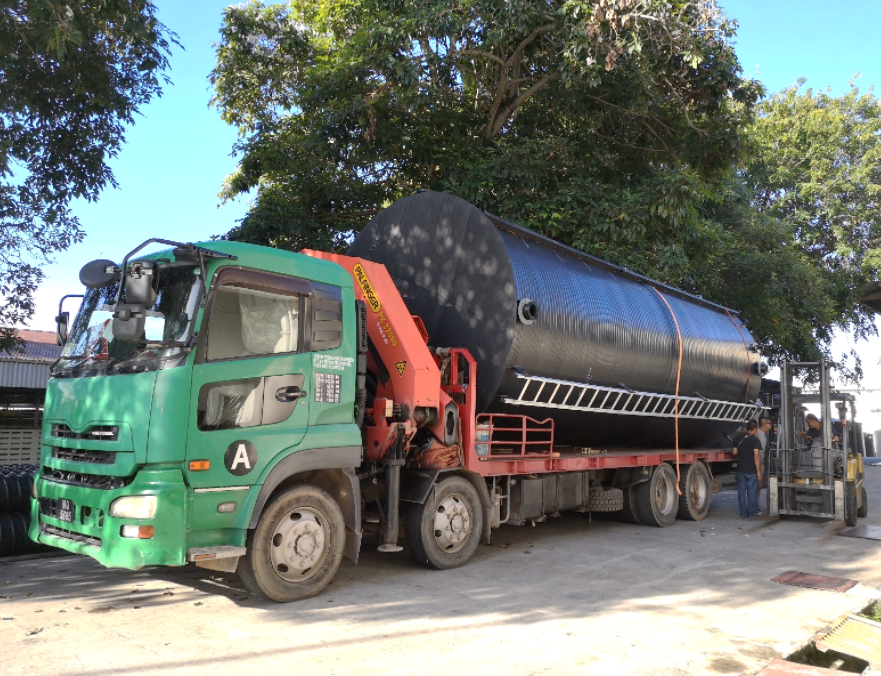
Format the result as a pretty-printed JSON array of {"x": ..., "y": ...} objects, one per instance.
[
  {"x": 62, "y": 319},
  {"x": 99, "y": 273},
  {"x": 61, "y": 322},
  {"x": 141, "y": 281},
  {"x": 128, "y": 322}
]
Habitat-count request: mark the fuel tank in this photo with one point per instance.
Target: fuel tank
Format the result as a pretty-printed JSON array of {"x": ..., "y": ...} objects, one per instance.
[{"x": 523, "y": 303}]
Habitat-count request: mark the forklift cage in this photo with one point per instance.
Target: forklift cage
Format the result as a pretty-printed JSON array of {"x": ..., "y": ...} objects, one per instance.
[{"x": 815, "y": 488}]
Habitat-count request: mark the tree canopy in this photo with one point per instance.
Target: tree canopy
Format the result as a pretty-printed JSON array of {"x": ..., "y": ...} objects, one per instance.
[
  {"x": 594, "y": 122},
  {"x": 72, "y": 76},
  {"x": 624, "y": 128},
  {"x": 814, "y": 167}
]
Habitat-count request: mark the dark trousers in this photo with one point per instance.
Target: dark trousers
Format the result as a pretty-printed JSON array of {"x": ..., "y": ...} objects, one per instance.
[{"x": 747, "y": 494}]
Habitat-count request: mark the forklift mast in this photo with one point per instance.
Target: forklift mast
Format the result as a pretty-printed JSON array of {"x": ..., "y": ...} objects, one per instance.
[{"x": 823, "y": 480}]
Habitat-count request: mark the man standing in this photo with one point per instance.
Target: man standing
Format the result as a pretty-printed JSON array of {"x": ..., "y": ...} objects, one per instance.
[
  {"x": 763, "y": 435},
  {"x": 748, "y": 452}
]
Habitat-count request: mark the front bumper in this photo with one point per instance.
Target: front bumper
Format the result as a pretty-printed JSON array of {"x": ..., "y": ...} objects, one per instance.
[{"x": 95, "y": 533}]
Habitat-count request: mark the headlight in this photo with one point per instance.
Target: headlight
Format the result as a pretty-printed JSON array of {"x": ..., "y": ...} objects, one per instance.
[{"x": 134, "y": 507}]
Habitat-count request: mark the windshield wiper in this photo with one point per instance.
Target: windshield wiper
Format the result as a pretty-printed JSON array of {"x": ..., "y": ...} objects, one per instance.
[
  {"x": 66, "y": 370},
  {"x": 113, "y": 361}
]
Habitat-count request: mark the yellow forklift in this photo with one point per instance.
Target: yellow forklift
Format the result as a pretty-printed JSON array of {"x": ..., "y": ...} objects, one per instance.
[{"x": 818, "y": 470}]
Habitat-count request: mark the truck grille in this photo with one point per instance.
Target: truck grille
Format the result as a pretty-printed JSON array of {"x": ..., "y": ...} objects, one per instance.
[
  {"x": 91, "y": 457},
  {"x": 96, "y": 433},
  {"x": 105, "y": 483},
  {"x": 70, "y": 535}
]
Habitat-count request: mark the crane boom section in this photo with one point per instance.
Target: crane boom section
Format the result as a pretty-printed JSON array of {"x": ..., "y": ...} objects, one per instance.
[{"x": 414, "y": 377}]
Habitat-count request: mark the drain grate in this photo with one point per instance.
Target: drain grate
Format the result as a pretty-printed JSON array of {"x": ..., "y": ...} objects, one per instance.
[
  {"x": 798, "y": 579},
  {"x": 854, "y": 635}
]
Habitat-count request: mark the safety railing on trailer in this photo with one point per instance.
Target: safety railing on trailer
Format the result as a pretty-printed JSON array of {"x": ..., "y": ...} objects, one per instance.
[
  {"x": 571, "y": 396},
  {"x": 502, "y": 436}
]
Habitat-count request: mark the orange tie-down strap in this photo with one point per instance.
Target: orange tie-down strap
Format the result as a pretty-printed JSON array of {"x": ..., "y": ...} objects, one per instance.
[{"x": 678, "y": 376}]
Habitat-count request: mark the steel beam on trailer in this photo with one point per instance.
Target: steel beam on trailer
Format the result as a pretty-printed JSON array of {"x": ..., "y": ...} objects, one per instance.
[{"x": 488, "y": 466}]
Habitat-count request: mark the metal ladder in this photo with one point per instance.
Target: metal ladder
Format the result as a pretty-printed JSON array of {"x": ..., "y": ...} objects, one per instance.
[{"x": 571, "y": 396}]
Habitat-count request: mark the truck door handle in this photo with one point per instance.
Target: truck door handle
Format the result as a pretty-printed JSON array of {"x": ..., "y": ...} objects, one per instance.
[{"x": 290, "y": 393}]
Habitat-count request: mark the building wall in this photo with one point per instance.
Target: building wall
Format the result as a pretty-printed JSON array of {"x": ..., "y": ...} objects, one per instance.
[{"x": 29, "y": 375}]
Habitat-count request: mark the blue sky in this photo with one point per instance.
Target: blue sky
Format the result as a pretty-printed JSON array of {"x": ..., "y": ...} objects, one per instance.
[
  {"x": 827, "y": 43},
  {"x": 178, "y": 152},
  {"x": 170, "y": 169}
]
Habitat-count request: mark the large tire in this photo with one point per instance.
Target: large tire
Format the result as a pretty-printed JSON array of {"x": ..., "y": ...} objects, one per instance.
[
  {"x": 629, "y": 513},
  {"x": 444, "y": 532},
  {"x": 697, "y": 487},
  {"x": 863, "y": 510},
  {"x": 297, "y": 546},
  {"x": 656, "y": 499},
  {"x": 850, "y": 503}
]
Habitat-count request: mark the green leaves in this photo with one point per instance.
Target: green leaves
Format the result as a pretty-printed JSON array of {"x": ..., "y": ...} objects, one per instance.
[
  {"x": 518, "y": 106},
  {"x": 814, "y": 167},
  {"x": 620, "y": 127},
  {"x": 73, "y": 75}
]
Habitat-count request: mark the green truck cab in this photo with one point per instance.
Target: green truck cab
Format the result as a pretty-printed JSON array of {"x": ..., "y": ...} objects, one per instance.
[{"x": 194, "y": 383}]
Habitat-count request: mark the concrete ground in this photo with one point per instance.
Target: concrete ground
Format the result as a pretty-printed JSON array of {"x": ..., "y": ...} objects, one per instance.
[{"x": 570, "y": 596}]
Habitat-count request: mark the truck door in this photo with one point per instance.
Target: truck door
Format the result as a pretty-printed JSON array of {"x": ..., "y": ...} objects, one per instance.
[{"x": 251, "y": 377}]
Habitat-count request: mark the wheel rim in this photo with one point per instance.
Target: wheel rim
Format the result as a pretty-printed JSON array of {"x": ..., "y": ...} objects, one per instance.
[
  {"x": 665, "y": 494},
  {"x": 699, "y": 491},
  {"x": 452, "y": 523},
  {"x": 299, "y": 544}
]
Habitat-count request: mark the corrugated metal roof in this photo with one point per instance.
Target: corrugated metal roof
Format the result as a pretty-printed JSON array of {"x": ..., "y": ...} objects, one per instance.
[
  {"x": 24, "y": 374},
  {"x": 40, "y": 346}
]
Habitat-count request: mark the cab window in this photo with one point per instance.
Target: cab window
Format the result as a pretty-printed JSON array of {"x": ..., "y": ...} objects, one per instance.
[{"x": 249, "y": 322}]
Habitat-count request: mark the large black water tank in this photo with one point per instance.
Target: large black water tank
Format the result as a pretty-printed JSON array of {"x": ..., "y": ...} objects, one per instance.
[{"x": 466, "y": 272}]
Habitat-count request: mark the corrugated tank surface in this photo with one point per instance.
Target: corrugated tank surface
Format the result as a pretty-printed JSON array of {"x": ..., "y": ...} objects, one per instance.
[{"x": 464, "y": 271}]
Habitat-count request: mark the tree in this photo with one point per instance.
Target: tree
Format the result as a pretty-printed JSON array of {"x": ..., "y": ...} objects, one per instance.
[
  {"x": 814, "y": 168},
  {"x": 623, "y": 128},
  {"x": 602, "y": 123},
  {"x": 72, "y": 76}
]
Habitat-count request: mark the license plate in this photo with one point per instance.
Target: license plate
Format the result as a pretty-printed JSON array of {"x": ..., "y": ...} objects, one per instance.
[{"x": 66, "y": 510}]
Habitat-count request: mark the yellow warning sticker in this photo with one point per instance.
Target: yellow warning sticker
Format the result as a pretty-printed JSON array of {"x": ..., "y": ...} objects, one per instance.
[{"x": 400, "y": 365}]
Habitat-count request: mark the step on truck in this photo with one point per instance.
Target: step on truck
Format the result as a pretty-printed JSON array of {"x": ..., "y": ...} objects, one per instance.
[{"x": 254, "y": 410}]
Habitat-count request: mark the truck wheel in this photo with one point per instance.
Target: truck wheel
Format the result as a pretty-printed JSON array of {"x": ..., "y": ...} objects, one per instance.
[
  {"x": 629, "y": 513},
  {"x": 694, "y": 503},
  {"x": 443, "y": 533},
  {"x": 656, "y": 499},
  {"x": 863, "y": 510},
  {"x": 850, "y": 503},
  {"x": 297, "y": 546}
]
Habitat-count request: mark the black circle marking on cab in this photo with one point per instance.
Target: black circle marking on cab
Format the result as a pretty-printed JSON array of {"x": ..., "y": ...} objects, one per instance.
[{"x": 240, "y": 457}]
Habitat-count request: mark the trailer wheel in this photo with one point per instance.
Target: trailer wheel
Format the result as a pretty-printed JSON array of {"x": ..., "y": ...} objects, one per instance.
[
  {"x": 444, "y": 532},
  {"x": 297, "y": 546},
  {"x": 694, "y": 503},
  {"x": 656, "y": 499},
  {"x": 629, "y": 513},
  {"x": 850, "y": 503},
  {"x": 863, "y": 510}
]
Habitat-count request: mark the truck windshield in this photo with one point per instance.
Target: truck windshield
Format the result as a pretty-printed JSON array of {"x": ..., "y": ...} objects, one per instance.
[{"x": 91, "y": 349}]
